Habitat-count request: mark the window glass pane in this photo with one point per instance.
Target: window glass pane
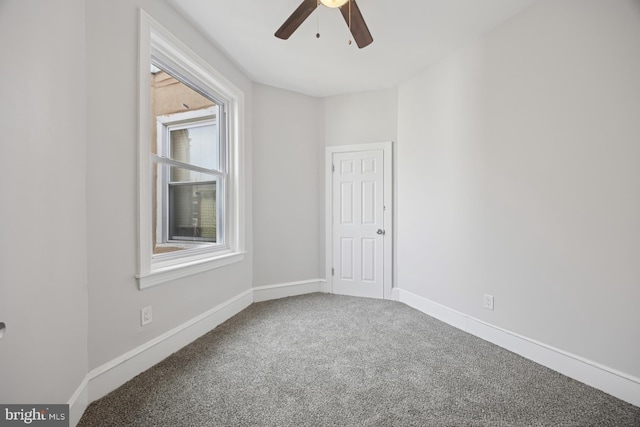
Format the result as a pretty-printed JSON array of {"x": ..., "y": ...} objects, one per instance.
[
  {"x": 196, "y": 144},
  {"x": 192, "y": 211}
]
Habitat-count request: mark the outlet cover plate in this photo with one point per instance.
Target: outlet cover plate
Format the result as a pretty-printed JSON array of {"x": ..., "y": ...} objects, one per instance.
[
  {"x": 146, "y": 315},
  {"x": 487, "y": 302}
]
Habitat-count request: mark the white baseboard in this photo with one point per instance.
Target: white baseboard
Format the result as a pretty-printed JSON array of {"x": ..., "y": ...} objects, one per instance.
[
  {"x": 79, "y": 402},
  {"x": 111, "y": 375},
  {"x": 609, "y": 380},
  {"x": 325, "y": 287},
  {"x": 283, "y": 290}
]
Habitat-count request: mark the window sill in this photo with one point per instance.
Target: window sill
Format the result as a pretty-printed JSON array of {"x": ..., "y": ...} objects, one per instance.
[{"x": 166, "y": 274}]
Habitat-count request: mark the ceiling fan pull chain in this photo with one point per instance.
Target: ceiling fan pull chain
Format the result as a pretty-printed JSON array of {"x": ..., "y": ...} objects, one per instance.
[
  {"x": 318, "y": 22},
  {"x": 349, "y": 22}
]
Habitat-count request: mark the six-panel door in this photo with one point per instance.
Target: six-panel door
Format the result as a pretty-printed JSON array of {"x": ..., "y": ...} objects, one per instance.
[{"x": 358, "y": 223}]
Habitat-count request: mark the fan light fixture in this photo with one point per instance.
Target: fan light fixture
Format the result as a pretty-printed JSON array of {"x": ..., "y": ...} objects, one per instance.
[{"x": 333, "y": 3}]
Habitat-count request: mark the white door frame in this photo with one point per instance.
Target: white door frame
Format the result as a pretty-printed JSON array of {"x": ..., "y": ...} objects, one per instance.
[{"x": 387, "y": 148}]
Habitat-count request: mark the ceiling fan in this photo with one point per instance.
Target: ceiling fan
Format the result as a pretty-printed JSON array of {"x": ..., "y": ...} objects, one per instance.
[{"x": 350, "y": 12}]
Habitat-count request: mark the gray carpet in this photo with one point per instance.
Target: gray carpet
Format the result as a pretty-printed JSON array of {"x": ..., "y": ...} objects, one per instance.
[{"x": 327, "y": 360}]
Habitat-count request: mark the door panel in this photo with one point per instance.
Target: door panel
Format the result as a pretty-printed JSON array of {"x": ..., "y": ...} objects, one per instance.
[
  {"x": 358, "y": 214},
  {"x": 368, "y": 202},
  {"x": 368, "y": 260},
  {"x": 346, "y": 259},
  {"x": 346, "y": 203}
]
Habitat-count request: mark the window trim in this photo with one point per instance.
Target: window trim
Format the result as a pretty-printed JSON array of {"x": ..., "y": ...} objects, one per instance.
[{"x": 155, "y": 40}]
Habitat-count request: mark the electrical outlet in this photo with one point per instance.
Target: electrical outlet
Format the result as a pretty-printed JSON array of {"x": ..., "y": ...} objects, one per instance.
[
  {"x": 487, "y": 302},
  {"x": 146, "y": 316}
]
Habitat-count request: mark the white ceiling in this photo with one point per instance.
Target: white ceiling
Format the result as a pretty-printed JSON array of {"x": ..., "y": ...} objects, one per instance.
[{"x": 409, "y": 36}]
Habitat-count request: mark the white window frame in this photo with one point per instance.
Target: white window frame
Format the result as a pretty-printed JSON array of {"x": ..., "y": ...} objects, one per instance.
[{"x": 153, "y": 270}]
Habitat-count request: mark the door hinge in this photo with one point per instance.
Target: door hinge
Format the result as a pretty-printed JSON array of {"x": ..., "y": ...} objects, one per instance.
[
  {"x": 333, "y": 168},
  {"x": 333, "y": 271}
]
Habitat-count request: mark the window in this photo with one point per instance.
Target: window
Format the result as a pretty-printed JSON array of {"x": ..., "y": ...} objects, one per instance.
[
  {"x": 190, "y": 151},
  {"x": 190, "y": 167}
]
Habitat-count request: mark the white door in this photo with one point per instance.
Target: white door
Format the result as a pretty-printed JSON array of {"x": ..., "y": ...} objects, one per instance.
[{"x": 358, "y": 231}]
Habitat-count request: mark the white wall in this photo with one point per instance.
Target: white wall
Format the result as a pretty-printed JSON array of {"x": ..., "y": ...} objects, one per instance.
[
  {"x": 519, "y": 176},
  {"x": 114, "y": 298},
  {"x": 362, "y": 117},
  {"x": 43, "y": 273},
  {"x": 287, "y": 133}
]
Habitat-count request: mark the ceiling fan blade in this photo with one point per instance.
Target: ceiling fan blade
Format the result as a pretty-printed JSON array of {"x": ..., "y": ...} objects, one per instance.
[
  {"x": 359, "y": 28},
  {"x": 296, "y": 19}
]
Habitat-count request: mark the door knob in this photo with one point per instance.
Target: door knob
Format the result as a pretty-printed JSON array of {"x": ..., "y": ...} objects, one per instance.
[{"x": 380, "y": 231}]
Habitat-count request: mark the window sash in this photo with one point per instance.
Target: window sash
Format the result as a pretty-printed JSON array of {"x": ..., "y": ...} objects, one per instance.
[{"x": 221, "y": 180}]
